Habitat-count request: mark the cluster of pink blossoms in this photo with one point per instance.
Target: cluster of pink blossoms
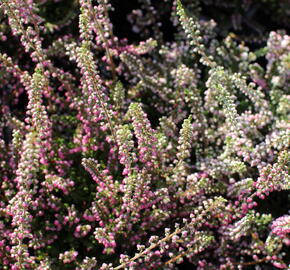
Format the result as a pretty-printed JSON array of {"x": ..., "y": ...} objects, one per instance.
[{"x": 117, "y": 154}]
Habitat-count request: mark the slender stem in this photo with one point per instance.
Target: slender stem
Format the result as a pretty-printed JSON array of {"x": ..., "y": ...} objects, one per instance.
[
  {"x": 104, "y": 107},
  {"x": 168, "y": 237},
  {"x": 112, "y": 64},
  {"x": 178, "y": 257}
]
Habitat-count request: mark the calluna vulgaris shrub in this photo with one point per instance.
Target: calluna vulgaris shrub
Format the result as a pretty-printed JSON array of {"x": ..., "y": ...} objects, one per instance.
[{"x": 118, "y": 155}]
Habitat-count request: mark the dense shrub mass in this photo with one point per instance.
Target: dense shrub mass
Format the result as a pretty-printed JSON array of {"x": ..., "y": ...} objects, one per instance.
[{"x": 146, "y": 136}]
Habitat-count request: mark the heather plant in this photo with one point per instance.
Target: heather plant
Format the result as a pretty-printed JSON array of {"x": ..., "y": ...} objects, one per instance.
[{"x": 117, "y": 154}]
